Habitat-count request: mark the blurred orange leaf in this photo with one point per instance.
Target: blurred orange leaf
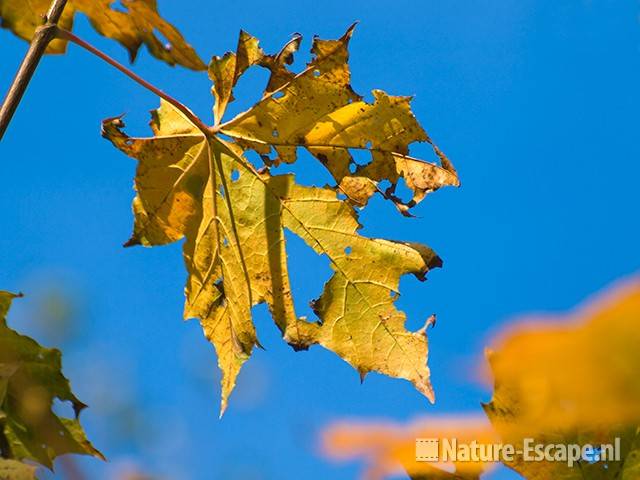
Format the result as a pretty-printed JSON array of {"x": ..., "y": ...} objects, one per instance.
[
  {"x": 573, "y": 380},
  {"x": 387, "y": 448}
]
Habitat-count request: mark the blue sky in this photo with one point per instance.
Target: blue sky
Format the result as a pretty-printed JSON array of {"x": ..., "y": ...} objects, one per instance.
[{"x": 536, "y": 102}]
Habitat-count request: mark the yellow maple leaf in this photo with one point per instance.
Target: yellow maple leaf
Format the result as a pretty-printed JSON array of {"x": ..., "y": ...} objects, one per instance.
[
  {"x": 318, "y": 110},
  {"x": 139, "y": 23},
  {"x": 193, "y": 183}
]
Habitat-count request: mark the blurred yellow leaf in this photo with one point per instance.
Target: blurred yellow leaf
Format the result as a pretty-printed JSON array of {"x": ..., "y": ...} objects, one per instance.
[
  {"x": 136, "y": 24},
  {"x": 573, "y": 380},
  {"x": 193, "y": 182},
  {"x": 14, "y": 470},
  {"x": 30, "y": 379}
]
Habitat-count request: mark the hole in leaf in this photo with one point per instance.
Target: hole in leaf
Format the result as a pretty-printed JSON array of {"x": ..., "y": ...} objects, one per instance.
[
  {"x": 316, "y": 73},
  {"x": 368, "y": 145},
  {"x": 235, "y": 175},
  {"x": 118, "y": 7},
  {"x": 245, "y": 91},
  {"x": 162, "y": 39},
  {"x": 347, "y": 251},
  {"x": 225, "y": 242},
  {"x": 308, "y": 271},
  {"x": 341, "y": 196},
  {"x": 221, "y": 190},
  {"x": 254, "y": 158},
  {"x": 62, "y": 409},
  {"x": 278, "y": 94},
  {"x": 353, "y": 167},
  {"x": 360, "y": 156},
  {"x": 393, "y": 294},
  {"x": 306, "y": 169},
  {"x": 275, "y": 133}
]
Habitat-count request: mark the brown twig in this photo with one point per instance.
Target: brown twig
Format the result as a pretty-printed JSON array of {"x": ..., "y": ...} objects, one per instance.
[
  {"x": 66, "y": 35},
  {"x": 43, "y": 36}
]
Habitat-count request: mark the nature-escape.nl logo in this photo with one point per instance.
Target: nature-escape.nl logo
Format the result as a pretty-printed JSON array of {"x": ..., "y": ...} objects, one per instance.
[{"x": 450, "y": 450}]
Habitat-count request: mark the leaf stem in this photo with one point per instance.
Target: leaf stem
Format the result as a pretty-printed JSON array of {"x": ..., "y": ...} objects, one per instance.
[
  {"x": 41, "y": 39},
  {"x": 66, "y": 35}
]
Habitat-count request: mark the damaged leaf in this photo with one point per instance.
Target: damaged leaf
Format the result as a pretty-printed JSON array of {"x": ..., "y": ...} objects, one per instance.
[
  {"x": 318, "y": 110},
  {"x": 30, "y": 379},
  {"x": 135, "y": 23},
  {"x": 196, "y": 184}
]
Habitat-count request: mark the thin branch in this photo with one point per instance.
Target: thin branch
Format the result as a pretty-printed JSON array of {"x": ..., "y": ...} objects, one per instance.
[
  {"x": 66, "y": 35},
  {"x": 43, "y": 36}
]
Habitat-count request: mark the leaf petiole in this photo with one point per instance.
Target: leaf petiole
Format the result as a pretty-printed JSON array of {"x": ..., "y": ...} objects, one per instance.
[{"x": 66, "y": 35}]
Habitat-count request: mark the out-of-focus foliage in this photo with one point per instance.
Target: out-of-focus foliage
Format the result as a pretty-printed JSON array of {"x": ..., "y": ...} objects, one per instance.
[
  {"x": 56, "y": 311},
  {"x": 571, "y": 380},
  {"x": 136, "y": 23},
  {"x": 388, "y": 448},
  {"x": 14, "y": 470},
  {"x": 195, "y": 183},
  {"x": 30, "y": 379}
]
